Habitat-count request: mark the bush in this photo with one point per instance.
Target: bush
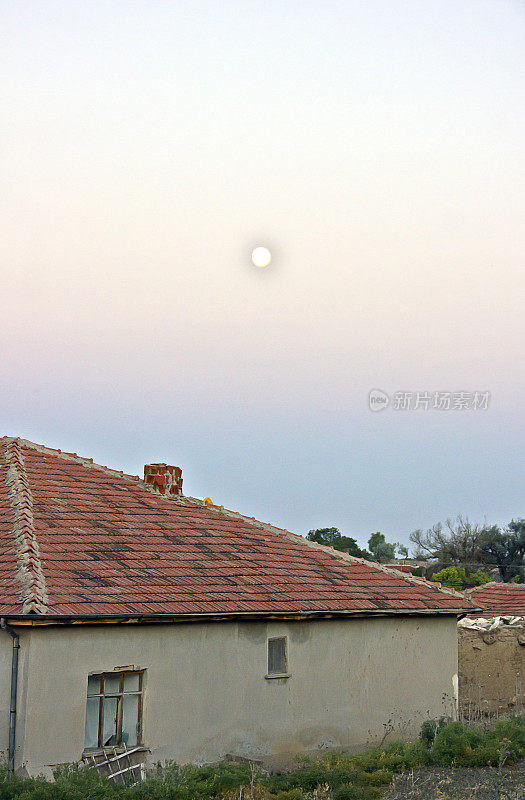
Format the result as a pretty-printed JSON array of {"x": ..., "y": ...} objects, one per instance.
[
  {"x": 461, "y": 746},
  {"x": 341, "y": 776},
  {"x": 430, "y": 728},
  {"x": 355, "y": 793}
]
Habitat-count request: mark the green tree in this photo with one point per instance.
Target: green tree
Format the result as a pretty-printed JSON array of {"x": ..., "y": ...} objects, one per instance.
[
  {"x": 505, "y": 548},
  {"x": 381, "y": 550},
  {"x": 454, "y": 577},
  {"x": 332, "y": 537},
  {"x": 478, "y": 578}
]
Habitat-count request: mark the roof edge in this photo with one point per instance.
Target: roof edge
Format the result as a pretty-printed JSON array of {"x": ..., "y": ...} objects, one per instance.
[
  {"x": 132, "y": 618},
  {"x": 73, "y": 457}
]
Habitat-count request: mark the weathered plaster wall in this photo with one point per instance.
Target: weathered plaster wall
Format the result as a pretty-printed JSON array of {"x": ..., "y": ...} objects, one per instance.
[
  {"x": 491, "y": 670},
  {"x": 5, "y": 690},
  {"x": 206, "y": 695},
  {"x": 6, "y": 651}
]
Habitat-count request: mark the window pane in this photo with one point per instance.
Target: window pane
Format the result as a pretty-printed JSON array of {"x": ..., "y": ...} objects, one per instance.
[
  {"x": 130, "y": 719},
  {"x": 109, "y": 734},
  {"x": 111, "y": 684},
  {"x": 93, "y": 684},
  {"x": 277, "y": 655},
  {"x": 131, "y": 682},
  {"x": 91, "y": 732}
]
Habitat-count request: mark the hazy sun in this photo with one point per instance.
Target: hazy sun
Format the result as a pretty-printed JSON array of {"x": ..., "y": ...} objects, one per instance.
[{"x": 261, "y": 256}]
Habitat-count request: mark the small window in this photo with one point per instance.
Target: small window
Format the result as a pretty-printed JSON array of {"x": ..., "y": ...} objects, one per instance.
[
  {"x": 114, "y": 710},
  {"x": 277, "y": 658}
]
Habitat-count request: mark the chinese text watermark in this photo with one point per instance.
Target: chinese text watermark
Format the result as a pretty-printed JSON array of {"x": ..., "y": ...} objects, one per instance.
[{"x": 462, "y": 400}]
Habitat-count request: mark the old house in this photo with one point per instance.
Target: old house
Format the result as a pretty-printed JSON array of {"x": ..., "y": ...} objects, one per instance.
[
  {"x": 147, "y": 620},
  {"x": 491, "y": 649}
]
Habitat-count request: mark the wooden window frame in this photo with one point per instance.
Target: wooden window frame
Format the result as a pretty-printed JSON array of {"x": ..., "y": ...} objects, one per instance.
[
  {"x": 286, "y": 674},
  {"x": 118, "y": 695}
]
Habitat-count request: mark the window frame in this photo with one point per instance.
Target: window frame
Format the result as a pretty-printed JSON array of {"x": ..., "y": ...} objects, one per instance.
[
  {"x": 286, "y": 673},
  {"x": 118, "y": 695}
]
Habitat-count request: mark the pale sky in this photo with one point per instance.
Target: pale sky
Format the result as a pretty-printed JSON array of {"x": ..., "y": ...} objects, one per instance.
[{"x": 375, "y": 147}]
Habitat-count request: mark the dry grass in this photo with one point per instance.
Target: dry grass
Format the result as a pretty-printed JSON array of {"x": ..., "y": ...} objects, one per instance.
[{"x": 440, "y": 783}]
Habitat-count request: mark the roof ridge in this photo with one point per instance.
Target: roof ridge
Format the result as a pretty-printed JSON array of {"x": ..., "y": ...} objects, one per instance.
[
  {"x": 86, "y": 462},
  {"x": 496, "y": 585},
  {"x": 332, "y": 551},
  {"x": 34, "y": 593}
]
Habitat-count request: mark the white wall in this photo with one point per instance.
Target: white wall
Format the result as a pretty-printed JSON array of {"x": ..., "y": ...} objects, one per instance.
[{"x": 206, "y": 694}]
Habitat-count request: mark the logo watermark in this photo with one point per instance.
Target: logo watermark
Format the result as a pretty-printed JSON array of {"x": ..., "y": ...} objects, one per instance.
[{"x": 441, "y": 400}]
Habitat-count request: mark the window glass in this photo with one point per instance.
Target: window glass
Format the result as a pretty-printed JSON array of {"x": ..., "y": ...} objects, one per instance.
[
  {"x": 109, "y": 727},
  {"x": 113, "y": 710},
  {"x": 93, "y": 684},
  {"x": 130, "y": 719},
  {"x": 131, "y": 682},
  {"x": 277, "y": 656},
  {"x": 91, "y": 732},
  {"x": 112, "y": 684}
]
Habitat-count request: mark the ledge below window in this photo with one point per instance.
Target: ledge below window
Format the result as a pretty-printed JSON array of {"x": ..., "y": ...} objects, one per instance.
[{"x": 276, "y": 675}]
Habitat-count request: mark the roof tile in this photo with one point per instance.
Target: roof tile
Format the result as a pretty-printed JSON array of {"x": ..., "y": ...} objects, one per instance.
[{"x": 106, "y": 545}]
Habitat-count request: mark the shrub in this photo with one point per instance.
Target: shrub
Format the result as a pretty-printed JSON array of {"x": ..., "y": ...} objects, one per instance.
[
  {"x": 349, "y": 792},
  {"x": 430, "y": 728},
  {"x": 459, "y": 745},
  {"x": 379, "y": 777}
]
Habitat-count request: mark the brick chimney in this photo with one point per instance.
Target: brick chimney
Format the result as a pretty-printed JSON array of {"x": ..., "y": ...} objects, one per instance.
[{"x": 163, "y": 479}]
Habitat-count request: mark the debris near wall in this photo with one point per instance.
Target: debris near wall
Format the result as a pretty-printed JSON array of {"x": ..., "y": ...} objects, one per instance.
[
  {"x": 491, "y": 667},
  {"x": 122, "y": 766}
]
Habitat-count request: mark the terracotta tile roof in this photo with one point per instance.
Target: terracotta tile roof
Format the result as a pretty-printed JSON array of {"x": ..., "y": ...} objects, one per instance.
[
  {"x": 77, "y": 538},
  {"x": 503, "y": 598}
]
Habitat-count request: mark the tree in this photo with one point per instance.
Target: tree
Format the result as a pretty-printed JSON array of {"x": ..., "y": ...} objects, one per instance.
[
  {"x": 471, "y": 546},
  {"x": 381, "y": 550},
  {"x": 505, "y": 548},
  {"x": 453, "y": 544},
  {"x": 332, "y": 537}
]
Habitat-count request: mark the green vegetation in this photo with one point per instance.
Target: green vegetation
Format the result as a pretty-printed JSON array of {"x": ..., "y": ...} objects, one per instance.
[
  {"x": 335, "y": 776},
  {"x": 473, "y": 547},
  {"x": 456, "y": 578},
  {"x": 378, "y": 548},
  {"x": 332, "y": 537}
]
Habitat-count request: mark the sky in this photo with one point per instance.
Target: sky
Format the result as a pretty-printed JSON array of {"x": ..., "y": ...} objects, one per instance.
[{"x": 375, "y": 148}]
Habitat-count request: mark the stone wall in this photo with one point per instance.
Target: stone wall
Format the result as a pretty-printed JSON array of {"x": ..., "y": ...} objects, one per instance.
[{"x": 491, "y": 669}]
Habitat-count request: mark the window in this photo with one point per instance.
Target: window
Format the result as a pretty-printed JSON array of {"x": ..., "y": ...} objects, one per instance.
[
  {"x": 277, "y": 658},
  {"x": 114, "y": 710}
]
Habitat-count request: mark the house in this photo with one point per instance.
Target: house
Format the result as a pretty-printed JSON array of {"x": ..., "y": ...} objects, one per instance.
[
  {"x": 491, "y": 651},
  {"x": 149, "y": 621}
]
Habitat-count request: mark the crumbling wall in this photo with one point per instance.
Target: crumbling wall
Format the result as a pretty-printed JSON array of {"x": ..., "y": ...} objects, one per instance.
[{"x": 491, "y": 670}]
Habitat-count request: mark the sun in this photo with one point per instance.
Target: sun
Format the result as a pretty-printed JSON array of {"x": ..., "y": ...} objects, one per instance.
[{"x": 261, "y": 256}]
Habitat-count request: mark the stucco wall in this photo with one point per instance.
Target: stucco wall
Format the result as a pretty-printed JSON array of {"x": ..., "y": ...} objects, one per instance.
[
  {"x": 206, "y": 695},
  {"x": 6, "y": 654},
  {"x": 5, "y": 690}
]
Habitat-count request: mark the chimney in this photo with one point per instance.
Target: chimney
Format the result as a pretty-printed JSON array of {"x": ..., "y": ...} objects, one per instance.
[{"x": 163, "y": 479}]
